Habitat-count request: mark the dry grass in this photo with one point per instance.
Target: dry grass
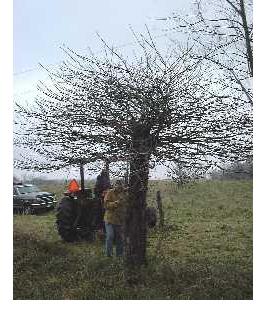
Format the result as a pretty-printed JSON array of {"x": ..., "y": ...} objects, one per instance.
[{"x": 203, "y": 252}]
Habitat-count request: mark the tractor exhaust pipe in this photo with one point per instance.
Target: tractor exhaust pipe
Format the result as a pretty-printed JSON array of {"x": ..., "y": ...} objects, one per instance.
[{"x": 82, "y": 176}]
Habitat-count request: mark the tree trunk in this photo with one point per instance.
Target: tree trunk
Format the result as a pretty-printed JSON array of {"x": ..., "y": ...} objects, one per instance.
[
  {"x": 135, "y": 225},
  {"x": 127, "y": 174},
  {"x": 247, "y": 37}
]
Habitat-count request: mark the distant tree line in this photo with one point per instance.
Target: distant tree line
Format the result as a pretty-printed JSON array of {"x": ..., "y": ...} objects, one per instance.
[{"x": 235, "y": 171}]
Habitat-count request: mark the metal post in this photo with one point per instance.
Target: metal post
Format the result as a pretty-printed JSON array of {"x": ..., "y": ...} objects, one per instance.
[{"x": 82, "y": 176}]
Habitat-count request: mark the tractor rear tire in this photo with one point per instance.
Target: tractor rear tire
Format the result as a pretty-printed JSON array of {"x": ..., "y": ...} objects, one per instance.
[{"x": 66, "y": 216}]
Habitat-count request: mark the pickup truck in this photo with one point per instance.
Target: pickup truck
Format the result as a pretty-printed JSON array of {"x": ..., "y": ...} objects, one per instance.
[{"x": 29, "y": 199}]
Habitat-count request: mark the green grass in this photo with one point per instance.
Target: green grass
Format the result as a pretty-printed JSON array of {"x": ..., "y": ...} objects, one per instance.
[{"x": 203, "y": 252}]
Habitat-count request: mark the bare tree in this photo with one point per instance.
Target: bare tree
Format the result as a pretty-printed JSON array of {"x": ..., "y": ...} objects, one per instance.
[
  {"x": 48, "y": 138},
  {"x": 147, "y": 110},
  {"x": 222, "y": 33}
]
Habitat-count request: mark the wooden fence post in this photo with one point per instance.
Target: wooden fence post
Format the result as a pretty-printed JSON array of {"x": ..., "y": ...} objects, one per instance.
[{"x": 161, "y": 213}]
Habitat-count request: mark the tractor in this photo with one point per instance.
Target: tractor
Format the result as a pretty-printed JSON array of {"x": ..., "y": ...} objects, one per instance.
[{"x": 79, "y": 213}]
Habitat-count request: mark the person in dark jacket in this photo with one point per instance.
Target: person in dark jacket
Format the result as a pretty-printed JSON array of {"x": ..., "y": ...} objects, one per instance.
[{"x": 102, "y": 184}]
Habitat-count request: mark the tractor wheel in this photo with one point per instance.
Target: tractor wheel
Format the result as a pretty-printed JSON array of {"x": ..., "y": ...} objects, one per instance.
[{"x": 66, "y": 216}]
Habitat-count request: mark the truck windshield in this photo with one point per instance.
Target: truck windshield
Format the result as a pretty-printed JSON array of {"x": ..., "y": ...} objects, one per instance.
[{"x": 28, "y": 189}]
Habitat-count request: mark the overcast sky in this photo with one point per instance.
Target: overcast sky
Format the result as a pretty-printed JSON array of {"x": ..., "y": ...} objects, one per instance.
[{"x": 41, "y": 27}]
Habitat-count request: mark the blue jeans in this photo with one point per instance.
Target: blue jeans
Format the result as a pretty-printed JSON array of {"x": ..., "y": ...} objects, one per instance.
[{"x": 114, "y": 232}]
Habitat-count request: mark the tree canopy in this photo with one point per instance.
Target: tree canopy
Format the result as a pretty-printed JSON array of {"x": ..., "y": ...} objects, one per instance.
[{"x": 95, "y": 108}]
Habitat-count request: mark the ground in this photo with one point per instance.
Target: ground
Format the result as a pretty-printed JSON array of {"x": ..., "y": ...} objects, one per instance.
[{"x": 203, "y": 252}]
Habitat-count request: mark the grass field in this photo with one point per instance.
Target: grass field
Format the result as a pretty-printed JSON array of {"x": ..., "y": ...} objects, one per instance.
[{"x": 204, "y": 251}]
